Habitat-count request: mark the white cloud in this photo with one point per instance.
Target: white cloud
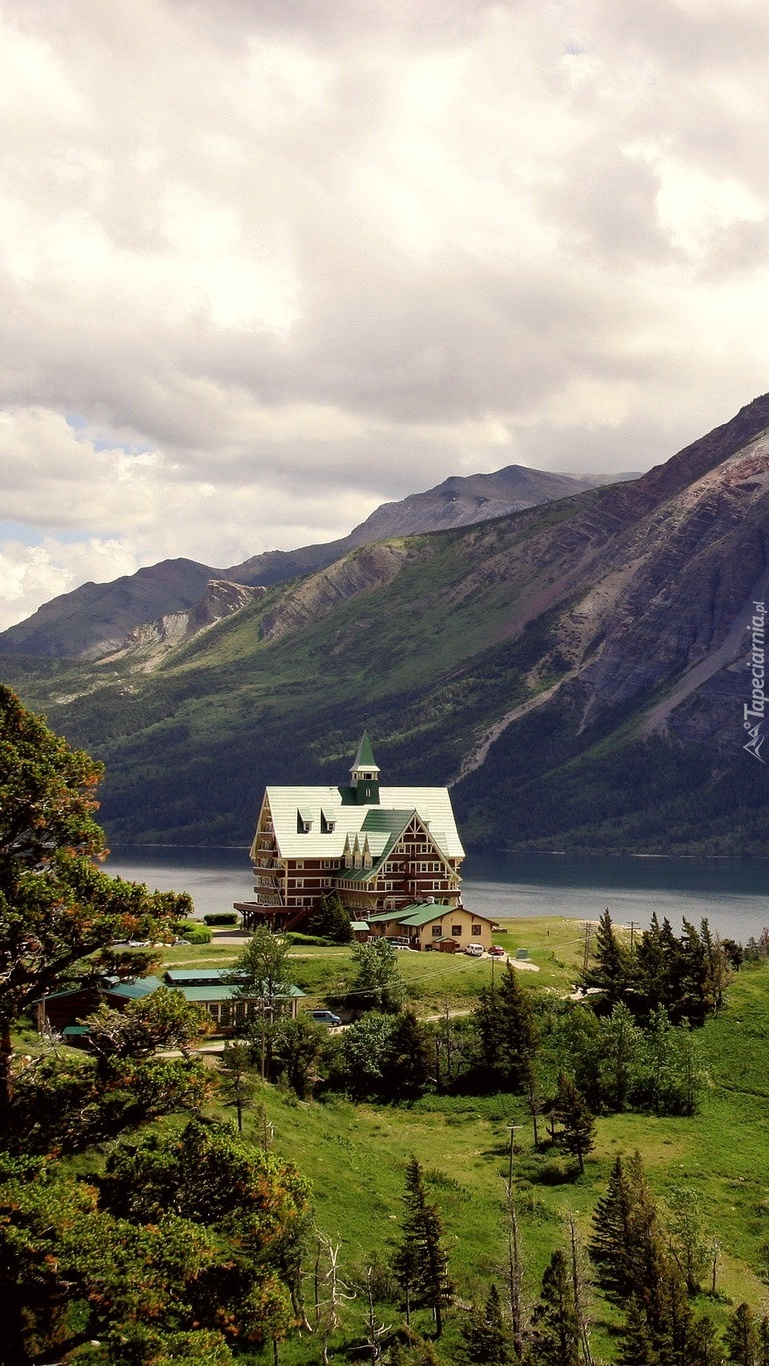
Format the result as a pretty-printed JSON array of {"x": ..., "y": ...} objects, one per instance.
[{"x": 290, "y": 260}]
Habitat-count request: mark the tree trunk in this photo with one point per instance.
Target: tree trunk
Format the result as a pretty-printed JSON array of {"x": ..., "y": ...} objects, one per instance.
[
  {"x": 515, "y": 1277},
  {"x": 6, "y": 1078}
]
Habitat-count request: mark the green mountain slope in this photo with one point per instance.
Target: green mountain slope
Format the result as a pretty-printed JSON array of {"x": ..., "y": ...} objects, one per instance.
[{"x": 577, "y": 670}]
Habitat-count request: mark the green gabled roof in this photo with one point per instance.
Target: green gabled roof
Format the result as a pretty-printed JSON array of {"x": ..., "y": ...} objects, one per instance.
[
  {"x": 134, "y": 991},
  {"x": 365, "y": 756},
  {"x": 196, "y": 977},
  {"x": 417, "y": 913},
  {"x": 387, "y": 819},
  {"x": 228, "y": 992}
]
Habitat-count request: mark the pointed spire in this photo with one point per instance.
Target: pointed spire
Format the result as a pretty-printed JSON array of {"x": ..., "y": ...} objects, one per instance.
[
  {"x": 364, "y": 759},
  {"x": 365, "y": 774}
]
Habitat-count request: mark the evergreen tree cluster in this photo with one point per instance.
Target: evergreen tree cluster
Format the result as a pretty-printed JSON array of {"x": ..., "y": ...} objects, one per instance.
[{"x": 684, "y": 974}]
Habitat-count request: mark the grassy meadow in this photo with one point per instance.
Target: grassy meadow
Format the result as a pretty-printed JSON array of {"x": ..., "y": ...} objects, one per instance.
[{"x": 355, "y": 1155}]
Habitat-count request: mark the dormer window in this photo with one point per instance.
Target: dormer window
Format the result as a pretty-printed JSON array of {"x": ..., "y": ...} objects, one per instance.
[
  {"x": 304, "y": 821},
  {"x": 327, "y": 822}
]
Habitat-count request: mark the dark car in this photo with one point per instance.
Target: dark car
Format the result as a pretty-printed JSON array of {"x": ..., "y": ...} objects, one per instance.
[
  {"x": 326, "y": 1017},
  {"x": 497, "y": 951}
]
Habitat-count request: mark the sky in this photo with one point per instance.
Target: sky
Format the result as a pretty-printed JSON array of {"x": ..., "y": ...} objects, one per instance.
[{"x": 266, "y": 264}]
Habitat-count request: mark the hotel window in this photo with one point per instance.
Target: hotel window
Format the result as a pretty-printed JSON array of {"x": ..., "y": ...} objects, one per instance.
[
  {"x": 437, "y": 931},
  {"x": 456, "y": 930},
  {"x": 476, "y": 929}
]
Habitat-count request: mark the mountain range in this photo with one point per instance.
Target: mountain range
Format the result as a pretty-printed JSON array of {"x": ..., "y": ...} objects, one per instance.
[
  {"x": 577, "y": 670},
  {"x": 158, "y": 607}
]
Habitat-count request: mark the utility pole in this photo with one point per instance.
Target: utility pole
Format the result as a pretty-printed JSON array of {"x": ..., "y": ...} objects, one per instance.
[
  {"x": 634, "y": 925},
  {"x": 587, "y": 934}
]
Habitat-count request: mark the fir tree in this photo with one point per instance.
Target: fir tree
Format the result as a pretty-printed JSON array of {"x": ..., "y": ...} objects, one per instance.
[
  {"x": 519, "y": 1037},
  {"x": 421, "y": 1262},
  {"x": 612, "y": 968},
  {"x": 637, "y": 1349},
  {"x": 555, "y": 1324},
  {"x": 627, "y": 1243},
  {"x": 488, "y": 1025},
  {"x": 741, "y": 1338},
  {"x": 650, "y": 968},
  {"x": 408, "y": 1066},
  {"x": 331, "y": 919},
  {"x": 612, "y": 1235},
  {"x": 695, "y": 997},
  {"x": 578, "y": 1134},
  {"x": 487, "y": 1338}
]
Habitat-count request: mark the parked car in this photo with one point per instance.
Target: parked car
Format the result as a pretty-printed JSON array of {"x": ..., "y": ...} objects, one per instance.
[
  {"x": 475, "y": 950},
  {"x": 497, "y": 951},
  {"x": 326, "y": 1017}
]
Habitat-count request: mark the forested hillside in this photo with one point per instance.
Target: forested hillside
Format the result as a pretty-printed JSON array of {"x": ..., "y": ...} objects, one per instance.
[{"x": 576, "y": 671}]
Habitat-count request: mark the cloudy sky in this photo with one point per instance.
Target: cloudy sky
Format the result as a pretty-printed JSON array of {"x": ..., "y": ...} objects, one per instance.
[{"x": 268, "y": 263}]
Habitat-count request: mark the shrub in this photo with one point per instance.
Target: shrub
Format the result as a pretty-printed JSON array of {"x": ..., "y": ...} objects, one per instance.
[
  {"x": 200, "y": 935},
  {"x": 222, "y": 918}
]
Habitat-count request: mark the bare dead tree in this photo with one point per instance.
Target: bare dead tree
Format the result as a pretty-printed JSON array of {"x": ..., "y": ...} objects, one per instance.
[
  {"x": 331, "y": 1291},
  {"x": 514, "y": 1271},
  {"x": 579, "y": 1286},
  {"x": 375, "y": 1330}
]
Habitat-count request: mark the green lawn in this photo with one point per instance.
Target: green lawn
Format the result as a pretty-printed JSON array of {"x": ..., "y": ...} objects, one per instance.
[
  {"x": 355, "y": 1156},
  {"x": 432, "y": 979}
]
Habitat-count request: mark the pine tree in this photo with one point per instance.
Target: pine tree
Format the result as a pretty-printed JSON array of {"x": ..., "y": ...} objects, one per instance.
[
  {"x": 673, "y": 969},
  {"x": 421, "y": 1262},
  {"x": 650, "y": 969},
  {"x": 741, "y": 1338},
  {"x": 612, "y": 1234},
  {"x": 519, "y": 1036},
  {"x": 555, "y": 1325},
  {"x": 487, "y": 1338},
  {"x": 612, "y": 969},
  {"x": 331, "y": 919},
  {"x": 627, "y": 1245},
  {"x": 695, "y": 996},
  {"x": 408, "y": 1065},
  {"x": 578, "y": 1133},
  {"x": 637, "y": 1349},
  {"x": 488, "y": 1025}
]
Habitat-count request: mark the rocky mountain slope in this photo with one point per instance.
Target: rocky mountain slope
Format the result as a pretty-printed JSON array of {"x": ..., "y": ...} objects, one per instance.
[
  {"x": 577, "y": 670},
  {"x": 98, "y": 621}
]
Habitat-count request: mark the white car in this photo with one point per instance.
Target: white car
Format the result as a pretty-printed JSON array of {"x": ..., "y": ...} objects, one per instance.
[{"x": 475, "y": 950}]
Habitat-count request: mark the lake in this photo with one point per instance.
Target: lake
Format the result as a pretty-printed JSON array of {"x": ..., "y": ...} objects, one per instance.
[{"x": 732, "y": 893}]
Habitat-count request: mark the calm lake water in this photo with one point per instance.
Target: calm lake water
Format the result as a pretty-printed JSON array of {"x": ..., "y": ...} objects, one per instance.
[{"x": 732, "y": 893}]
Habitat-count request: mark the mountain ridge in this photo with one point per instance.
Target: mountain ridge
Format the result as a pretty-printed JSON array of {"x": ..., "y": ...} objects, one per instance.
[
  {"x": 589, "y": 653},
  {"x": 97, "y": 621}
]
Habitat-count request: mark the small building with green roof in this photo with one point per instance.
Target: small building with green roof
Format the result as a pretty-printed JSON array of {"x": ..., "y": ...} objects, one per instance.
[{"x": 433, "y": 925}]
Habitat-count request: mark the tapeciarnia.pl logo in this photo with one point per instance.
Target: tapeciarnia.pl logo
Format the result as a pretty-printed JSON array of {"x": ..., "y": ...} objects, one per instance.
[{"x": 753, "y": 712}]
